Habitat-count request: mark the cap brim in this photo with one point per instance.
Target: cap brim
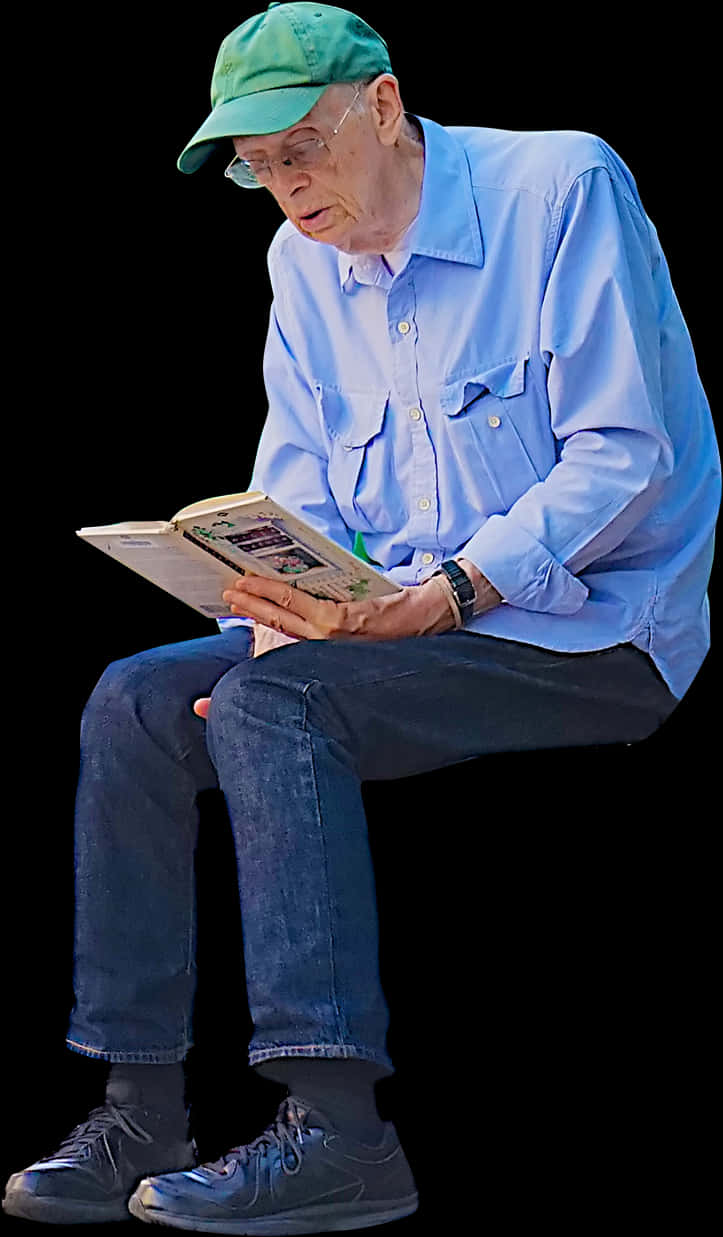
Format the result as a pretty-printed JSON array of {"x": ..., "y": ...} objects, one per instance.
[{"x": 268, "y": 111}]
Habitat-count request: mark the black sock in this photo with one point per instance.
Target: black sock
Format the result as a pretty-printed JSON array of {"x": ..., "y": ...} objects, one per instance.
[
  {"x": 342, "y": 1089},
  {"x": 158, "y": 1089}
]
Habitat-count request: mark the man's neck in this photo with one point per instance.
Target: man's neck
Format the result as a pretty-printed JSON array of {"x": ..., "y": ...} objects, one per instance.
[
  {"x": 413, "y": 146},
  {"x": 404, "y": 189}
]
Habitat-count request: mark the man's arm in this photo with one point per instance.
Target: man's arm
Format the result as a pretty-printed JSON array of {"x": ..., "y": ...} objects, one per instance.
[{"x": 599, "y": 331}]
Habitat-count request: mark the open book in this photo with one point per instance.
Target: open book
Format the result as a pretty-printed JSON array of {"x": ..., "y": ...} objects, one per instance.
[{"x": 205, "y": 546}]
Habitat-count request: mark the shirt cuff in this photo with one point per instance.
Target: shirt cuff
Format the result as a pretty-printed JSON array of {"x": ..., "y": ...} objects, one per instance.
[
  {"x": 223, "y": 623},
  {"x": 522, "y": 569}
]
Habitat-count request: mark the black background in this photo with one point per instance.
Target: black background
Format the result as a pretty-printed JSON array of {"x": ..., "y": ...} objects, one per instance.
[{"x": 545, "y": 918}]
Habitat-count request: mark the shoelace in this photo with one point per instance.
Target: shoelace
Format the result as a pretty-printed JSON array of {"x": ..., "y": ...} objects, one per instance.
[
  {"x": 99, "y": 1121},
  {"x": 286, "y": 1133}
]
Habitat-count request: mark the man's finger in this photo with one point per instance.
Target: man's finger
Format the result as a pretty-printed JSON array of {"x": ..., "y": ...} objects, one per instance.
[
  {"x": 202, "y": 706},
  {"x": 278, "y": 591},
  {"x": 289, "y": 610},
  {"x": 271, "y": 614}
]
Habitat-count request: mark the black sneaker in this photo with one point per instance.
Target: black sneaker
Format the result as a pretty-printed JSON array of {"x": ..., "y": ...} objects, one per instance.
[
  {"x": 91, "y": 1176},
  {"x": 300, "y": 1176}
]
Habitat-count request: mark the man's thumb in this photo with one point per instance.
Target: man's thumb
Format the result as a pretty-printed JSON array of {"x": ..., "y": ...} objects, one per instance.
[{"x": 202, "y": 706}]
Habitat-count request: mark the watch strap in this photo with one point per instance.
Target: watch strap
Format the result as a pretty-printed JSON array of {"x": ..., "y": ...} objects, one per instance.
[{"x": 462, "y": 587}]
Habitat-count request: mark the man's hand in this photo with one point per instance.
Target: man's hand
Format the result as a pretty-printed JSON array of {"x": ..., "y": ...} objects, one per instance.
[
  {"x": 421, "y": 610},
  {"x": 418, "y": 610}
]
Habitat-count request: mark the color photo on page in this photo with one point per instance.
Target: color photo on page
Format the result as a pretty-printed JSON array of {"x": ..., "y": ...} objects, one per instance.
[
  {"x": 292, "y": 562},
  {"x": 267, "y": 536}
]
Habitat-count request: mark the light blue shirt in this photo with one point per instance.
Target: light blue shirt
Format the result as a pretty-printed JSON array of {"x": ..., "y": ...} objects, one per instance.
[{"x": 522, "y": 390}]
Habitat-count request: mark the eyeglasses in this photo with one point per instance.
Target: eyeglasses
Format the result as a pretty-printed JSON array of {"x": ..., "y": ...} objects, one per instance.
[{"x": 306, "y": 155}]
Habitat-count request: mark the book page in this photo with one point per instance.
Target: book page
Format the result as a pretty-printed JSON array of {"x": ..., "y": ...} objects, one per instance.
[
  {"x": 197, "y": 557},
  {"x": 259, "y": 535},
  {"x": 128, "y": 526},
  {"x": 173, "y": 563},
  {"x": 209, "y": 505}
]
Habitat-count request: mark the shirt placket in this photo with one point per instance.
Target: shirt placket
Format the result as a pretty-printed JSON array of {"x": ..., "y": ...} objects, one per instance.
[{"x": 424, "y": 495}]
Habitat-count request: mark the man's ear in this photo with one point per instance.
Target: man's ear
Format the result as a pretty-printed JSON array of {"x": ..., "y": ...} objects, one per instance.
[{"x": 385, "y": 105}]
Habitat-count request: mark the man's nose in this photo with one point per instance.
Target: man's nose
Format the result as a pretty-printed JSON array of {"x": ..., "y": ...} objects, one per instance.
[{"x": 287, "y": 180}]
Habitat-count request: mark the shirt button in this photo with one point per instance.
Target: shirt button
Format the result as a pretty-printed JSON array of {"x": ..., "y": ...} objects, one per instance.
[
  {"x": 403, "y": 328},
  {"x": 427, "y": 558},
  {"x": 415, "y": 413},
  {"x": 424, "y": 504},
  {"x": 494, "y": 422}
]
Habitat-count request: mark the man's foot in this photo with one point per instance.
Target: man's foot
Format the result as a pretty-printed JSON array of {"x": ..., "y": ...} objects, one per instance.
[
  {"x": 91, "y": 1176},
  {"x": 300, "y": 1176}
]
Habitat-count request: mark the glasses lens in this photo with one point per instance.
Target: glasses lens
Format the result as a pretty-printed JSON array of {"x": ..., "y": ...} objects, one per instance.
[
  {"x": 242, "y": 175},
  {"x": 307, "y": 154}
]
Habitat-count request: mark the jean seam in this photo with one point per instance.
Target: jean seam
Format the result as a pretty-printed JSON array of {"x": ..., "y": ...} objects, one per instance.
[
  {"x": 192, "y": 947},
  {"x": 329, "y": 1051},
  {"x": 333, "y": 995},
  {"x": 349, "y": 684},
  {"x": 152, "y": 1056}
]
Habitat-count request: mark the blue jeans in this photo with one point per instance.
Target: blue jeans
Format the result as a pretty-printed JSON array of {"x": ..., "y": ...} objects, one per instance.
[{"x": 289, "y": 739}]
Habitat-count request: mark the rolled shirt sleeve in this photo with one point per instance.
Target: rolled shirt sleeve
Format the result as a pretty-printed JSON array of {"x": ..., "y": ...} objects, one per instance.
[{"x": 599, "y": 337}]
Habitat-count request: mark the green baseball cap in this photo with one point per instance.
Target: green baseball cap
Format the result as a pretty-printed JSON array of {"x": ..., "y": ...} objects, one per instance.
[{"x": 270, "y": 71}]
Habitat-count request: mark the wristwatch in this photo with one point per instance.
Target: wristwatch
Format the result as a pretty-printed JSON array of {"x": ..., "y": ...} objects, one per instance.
[{"x": 462, "y": 587}]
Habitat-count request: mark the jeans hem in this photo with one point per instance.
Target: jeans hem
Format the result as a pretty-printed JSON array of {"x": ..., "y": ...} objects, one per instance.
[
  {"x": 159, "y": 1056},
  {"x": 353, "y": 1052}
]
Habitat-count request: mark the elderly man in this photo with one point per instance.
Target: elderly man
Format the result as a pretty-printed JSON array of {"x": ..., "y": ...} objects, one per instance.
[{"x": 476, "y": 369}]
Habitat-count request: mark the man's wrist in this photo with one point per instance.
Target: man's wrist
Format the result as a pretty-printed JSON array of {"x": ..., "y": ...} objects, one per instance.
[
  {"x": 486, "y": 595},
  {"x": 443, "y": 585},
  {"x": 456, "y": 580}
]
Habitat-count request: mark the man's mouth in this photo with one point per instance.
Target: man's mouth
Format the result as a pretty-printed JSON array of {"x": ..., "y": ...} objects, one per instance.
[{"x": 313, "y": 215}]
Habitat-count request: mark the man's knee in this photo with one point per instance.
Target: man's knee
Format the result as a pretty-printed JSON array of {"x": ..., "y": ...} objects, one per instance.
[
  {"x": 146, "y": 688},
  {"x": 293, "y": 688},
  {"x": 263, "y": 688}
]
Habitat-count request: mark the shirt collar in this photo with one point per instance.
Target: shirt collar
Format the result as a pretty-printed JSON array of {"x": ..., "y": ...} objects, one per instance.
[{"x": 447, "y": 225}]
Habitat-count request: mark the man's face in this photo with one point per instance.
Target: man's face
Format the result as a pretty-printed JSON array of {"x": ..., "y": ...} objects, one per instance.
[{"x": 340, "y": 202}]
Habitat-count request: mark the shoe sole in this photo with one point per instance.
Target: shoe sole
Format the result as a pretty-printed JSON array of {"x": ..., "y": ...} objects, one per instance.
[
  {"x": 329, "y": 1219},
  {"x": 62, "y": 1211}
]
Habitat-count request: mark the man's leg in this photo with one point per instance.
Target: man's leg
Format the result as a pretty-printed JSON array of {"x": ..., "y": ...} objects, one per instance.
[
  {"x": 143, "y": 763},
  {"x": 292, "y": 736},
  {"x": 294, "y": 733}
]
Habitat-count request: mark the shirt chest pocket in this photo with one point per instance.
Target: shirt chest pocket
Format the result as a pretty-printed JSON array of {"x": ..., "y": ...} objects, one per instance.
[
  {"x": 361, "y": 470},
  {"x": 496, "y": 429}
]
